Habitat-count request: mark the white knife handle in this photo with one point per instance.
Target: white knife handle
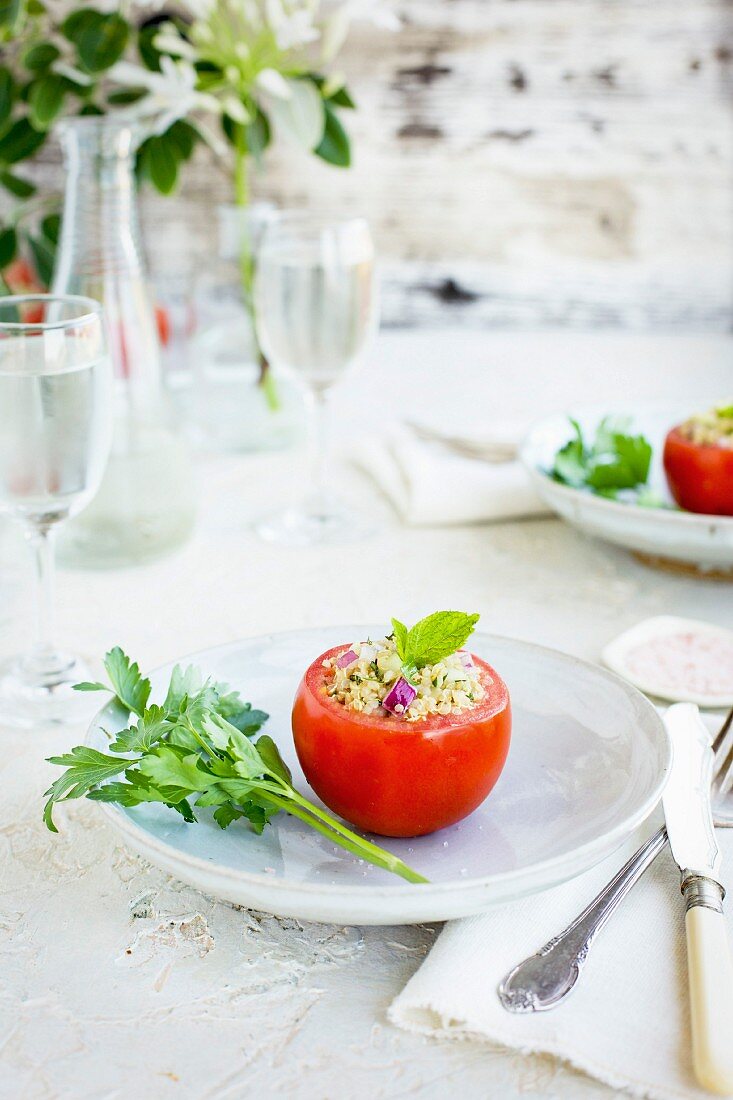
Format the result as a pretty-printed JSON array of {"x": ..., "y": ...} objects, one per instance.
[{"x": 711, "y": 985}]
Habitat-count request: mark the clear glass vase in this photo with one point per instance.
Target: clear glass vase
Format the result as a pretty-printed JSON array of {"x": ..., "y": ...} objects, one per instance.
[
  {"x": 234, "y": 408},
  {"x": 145, "y": 505}
]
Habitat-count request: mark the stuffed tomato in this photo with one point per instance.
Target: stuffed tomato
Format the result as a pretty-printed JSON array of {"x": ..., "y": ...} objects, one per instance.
[
  {"x": 401, "y": 755},
  {"x": 698, "y": 462}
]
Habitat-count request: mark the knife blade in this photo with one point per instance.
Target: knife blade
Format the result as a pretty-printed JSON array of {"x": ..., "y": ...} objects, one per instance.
[
  {"x": 689, "y": 819},
  {"x": 686, "y": 797}
]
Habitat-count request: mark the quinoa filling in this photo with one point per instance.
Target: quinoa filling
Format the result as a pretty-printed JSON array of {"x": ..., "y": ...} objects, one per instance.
[
  {"x": 710, "y": 429},
  {"x": 363, "y": 676}
]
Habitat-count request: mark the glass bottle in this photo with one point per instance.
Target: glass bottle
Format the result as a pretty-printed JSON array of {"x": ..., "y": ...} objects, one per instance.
[
  {"x": 145, "y": 505},
  {"x": 233, "y": 410}
]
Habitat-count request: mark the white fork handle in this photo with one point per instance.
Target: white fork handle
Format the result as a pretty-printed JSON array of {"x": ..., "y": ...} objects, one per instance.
[{"x": 711, "y": 998}]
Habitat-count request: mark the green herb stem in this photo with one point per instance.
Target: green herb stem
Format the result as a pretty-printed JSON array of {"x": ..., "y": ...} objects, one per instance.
[{"x": 326, "y": 825}]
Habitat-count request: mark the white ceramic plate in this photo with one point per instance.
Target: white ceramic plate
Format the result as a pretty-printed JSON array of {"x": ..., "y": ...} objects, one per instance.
[
  {"x": 702, "y": 541},
  {"x": 587, "y": 763}
]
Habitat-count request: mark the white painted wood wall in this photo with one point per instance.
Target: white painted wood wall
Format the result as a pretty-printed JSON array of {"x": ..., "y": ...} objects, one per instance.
[{"x": 525, "y": 163}]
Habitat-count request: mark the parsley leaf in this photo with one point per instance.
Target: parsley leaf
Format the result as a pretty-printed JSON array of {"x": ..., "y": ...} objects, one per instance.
[
  {"x": 150, "y": 729},
  {"x": 616, "y": 461},
  {"x": 85, "y": 768},
  {"x": 129, "y": 686}
]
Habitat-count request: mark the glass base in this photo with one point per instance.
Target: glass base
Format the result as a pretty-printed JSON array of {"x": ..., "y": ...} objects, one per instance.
[
  {"x": 34, "y": 692},
  {"x": 312, "y": 525}
]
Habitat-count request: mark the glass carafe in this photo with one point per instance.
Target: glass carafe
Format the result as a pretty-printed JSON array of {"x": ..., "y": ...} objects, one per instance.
[{"x": 145, "y": 505}]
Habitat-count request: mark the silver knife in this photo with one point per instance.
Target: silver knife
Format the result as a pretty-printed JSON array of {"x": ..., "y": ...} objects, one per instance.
[{"x": 689, "y": 818}]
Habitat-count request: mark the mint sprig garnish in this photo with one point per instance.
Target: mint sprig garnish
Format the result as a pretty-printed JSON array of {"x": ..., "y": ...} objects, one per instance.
[
  {"x": 195, "y": 751},
  {"x": 431, "y": 639}
]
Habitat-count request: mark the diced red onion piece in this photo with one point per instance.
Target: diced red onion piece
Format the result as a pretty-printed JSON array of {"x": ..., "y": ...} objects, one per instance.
[
  {"x": 401, "y": 694},
  {"x": 346, "y": 659},
  {"x": 466, "y": 658}
]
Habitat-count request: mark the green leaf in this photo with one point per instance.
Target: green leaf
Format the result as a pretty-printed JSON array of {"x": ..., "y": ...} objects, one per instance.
[
  {"x": 20, "y": 141},
  {"x": 16, "y": 185},
  {"x": 51, "y": 228},
  {"x": 100, "y": 39},
  {"x": 437, "y": 636},
  {"x": 129, "y": 686},
  {"x": 46, "y": 100},
  {"x": 148, "y": 731},
  {"x": 85, "y": 769},
  {"x": 225, "y": 814},
  {"x": 400, "y": 638},
  {"x": 616, "y": 460},
  {"x": 7, "y": 95},
  {"x": 125, "y": 96},
  {"x": 184, "y": 136},
  {"x": 10, "y": 12},
  {"x": 149, "y": 54},
  {"x": 43, "y": 259},
  {"x": 8, "y": 246},
  {"x": 342, "y": 98},
  {"x": 40, "y": 56},
  {"x": 91, "y": 685},
  {"x": 227, "y": 738},
  {"x": 334, "y": 146},
  {"x": 167, "y": 769},
  {"x": 273, "y": 761},
  {"x": 158, "y": 161}
]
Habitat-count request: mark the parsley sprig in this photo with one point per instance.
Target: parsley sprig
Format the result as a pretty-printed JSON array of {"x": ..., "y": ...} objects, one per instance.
[
  {"x": 614, "y": 462},
  {"x": 195, "y": 751},
  {"x": 431, "y": 639}
]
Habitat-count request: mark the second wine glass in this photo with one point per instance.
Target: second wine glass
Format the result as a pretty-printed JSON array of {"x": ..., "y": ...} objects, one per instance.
[{"x": 315, "y": 309}]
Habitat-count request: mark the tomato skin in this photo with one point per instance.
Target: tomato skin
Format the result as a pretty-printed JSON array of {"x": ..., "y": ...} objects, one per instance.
[
  {"x": 700, "y": 476},
  {"x": 398, "y": 778}
]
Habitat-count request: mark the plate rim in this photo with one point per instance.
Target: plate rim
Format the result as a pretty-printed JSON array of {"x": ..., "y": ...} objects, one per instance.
[
  {"x": 670, "y": 516},
  {"x": 610, "y": 841}
]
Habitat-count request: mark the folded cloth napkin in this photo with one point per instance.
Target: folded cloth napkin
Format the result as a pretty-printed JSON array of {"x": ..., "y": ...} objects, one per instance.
[
  {"x": 434, "y": 478},
  {"x": 627, "y": 1021}
]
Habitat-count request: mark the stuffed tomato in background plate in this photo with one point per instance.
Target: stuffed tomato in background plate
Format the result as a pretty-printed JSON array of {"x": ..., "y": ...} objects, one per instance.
[
  {"x": 405, "y": 734},
  {"x": 698, "y": 462}
]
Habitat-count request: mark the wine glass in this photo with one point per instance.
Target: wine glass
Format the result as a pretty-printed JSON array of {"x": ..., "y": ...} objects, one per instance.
[
  {"x": 315, "y": 308},
  {"x": 55, "y": 434}
]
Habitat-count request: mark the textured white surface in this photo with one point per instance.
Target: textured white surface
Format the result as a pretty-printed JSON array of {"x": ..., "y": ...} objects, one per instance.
[{"x": 118, "y": 982}]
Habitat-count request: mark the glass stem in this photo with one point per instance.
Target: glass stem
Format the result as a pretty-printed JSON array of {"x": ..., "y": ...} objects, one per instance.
[
  {"x": 318, "y": 448},
  {"x": 44, "y": 655}
]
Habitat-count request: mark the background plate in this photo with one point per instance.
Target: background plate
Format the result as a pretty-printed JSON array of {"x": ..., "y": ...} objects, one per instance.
[
  {"x": 587, "y": 763},
  {"x": 703, "y": 541}
]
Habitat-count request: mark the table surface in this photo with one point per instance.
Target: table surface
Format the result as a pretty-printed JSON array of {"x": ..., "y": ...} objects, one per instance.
[{"x": 117, "y": 980}]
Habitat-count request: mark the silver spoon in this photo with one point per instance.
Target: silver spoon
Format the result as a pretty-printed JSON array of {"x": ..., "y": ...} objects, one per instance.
[{"x": 544, "y": 980}]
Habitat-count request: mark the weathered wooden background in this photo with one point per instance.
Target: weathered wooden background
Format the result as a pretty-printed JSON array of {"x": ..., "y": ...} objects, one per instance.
[{"x": 525, "y": 163}]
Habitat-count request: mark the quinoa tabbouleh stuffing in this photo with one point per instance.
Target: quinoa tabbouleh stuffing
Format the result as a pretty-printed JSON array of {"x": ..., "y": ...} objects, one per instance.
[{"x": 362, "y": 676}]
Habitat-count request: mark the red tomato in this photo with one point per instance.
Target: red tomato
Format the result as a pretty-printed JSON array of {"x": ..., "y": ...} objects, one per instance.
[
  {"x": 700, "y": 475},
  {"x": 398, "y": 778}
]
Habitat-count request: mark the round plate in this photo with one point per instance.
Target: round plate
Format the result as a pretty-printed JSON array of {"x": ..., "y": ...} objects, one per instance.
[
  {"x": 587, "y": 763},
  {"x": 672, "y": 535}
]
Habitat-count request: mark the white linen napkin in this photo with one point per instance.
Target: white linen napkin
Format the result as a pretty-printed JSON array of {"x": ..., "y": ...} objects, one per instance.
[
  {"x": 627, "y": 1021},
  {"x": 433, "y": 483}
]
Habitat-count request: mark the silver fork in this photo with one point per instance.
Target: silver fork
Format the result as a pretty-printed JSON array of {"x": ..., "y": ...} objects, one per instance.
[{"x": 545, "y": 979}]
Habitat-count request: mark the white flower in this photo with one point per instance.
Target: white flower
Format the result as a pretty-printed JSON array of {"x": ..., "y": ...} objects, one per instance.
[
  {"x": 300, "y": 116},
  {"x": 171, "y": 92},
  {"x": 293, "y": 22}
]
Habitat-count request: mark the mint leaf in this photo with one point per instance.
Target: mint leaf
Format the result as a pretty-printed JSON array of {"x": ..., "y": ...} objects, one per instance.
[
  {"x": 400, "y": 638},
  {"x": 129, "y": 686},
  {"x": 437, "y": 636}
]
